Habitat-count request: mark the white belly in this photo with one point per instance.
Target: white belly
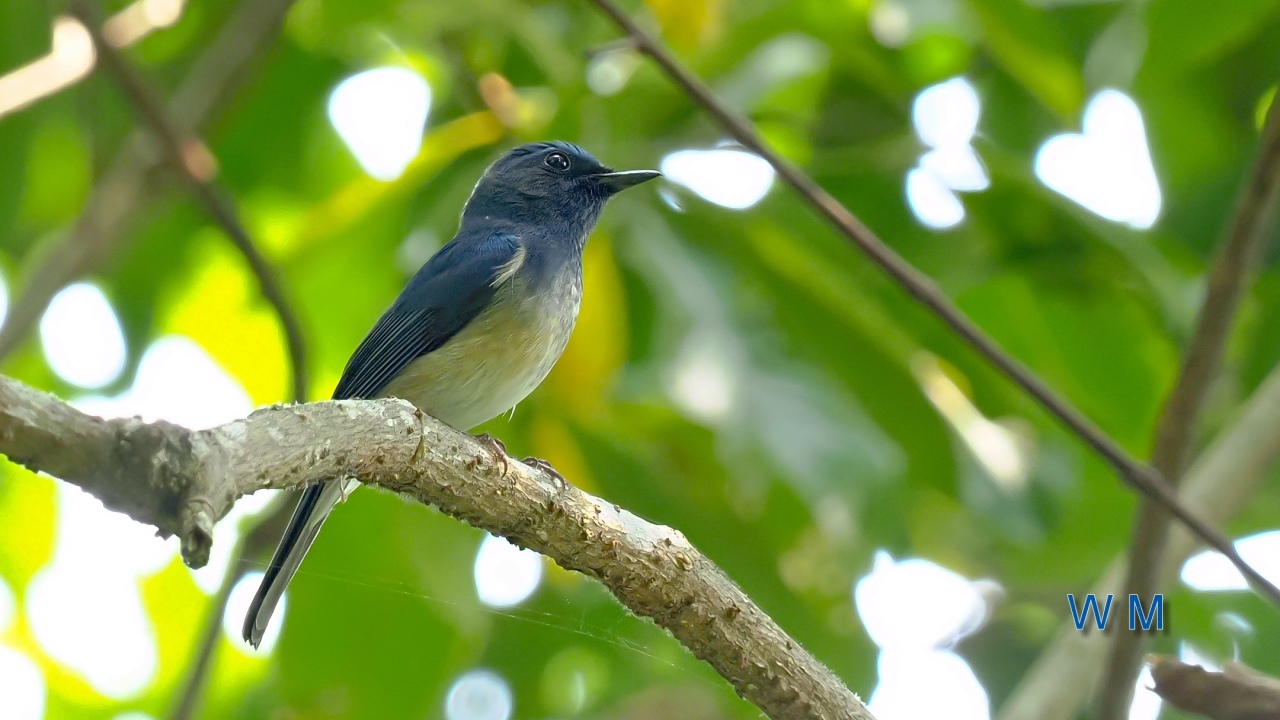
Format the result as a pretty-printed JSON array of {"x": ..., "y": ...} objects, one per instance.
[{"x": 495, "y": 361}]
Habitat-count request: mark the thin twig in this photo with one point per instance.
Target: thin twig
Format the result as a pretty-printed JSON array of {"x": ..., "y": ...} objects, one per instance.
[
  {"x": 193, "y": 160},
  {"x": 1246, "y": 234},
  {"x": 921, "y": 287},
  {"x": 121, "y": 192},
  {"x": 196, "y": 164},
  {"x": 1066, "y": 675},
  {"x": 193, "y": 685},
  {"x": 117, "y": 198},
  {"x": 267, "y": 529}
]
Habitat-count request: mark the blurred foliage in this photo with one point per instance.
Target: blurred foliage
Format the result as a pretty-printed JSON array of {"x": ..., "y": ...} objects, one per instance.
[{"x": 831, "y": 448}]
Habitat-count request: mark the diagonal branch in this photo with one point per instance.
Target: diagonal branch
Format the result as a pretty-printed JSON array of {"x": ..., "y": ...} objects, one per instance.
[
  {"x": 922, "y": 288},
  {"x": 197, "y": 166},
  {"x": 183, "y": 481},
  {"x": 1246, "y": 234},
  {"x": 1219, "y": 484},
  {"x": 121, "y": 193}
]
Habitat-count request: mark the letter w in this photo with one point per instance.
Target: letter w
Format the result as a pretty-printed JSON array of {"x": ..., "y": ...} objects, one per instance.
[{"x": 1090, "y": 606}]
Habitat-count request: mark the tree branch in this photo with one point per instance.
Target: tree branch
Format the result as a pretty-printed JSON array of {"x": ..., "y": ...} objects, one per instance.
[
  {"x": 922, "y": 288},
  {"x": 196, "y": 164},
  {"x": 1237, "y": 693},
  {"x": 1219, "y": 484},
  {"x": 1246, "y": 234},
  {"x": 124, "y": 190},
  {"x": 183, "y": 481}
]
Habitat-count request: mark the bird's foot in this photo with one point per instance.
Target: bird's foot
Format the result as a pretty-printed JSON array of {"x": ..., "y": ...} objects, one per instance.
[
  {"x": 544, "y": 466},
  {"x": 496, "y": 448}
]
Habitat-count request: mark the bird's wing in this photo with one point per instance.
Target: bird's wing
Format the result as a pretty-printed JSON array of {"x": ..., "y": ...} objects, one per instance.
[
  {"x": 449, "y": 292},
  {"x": 446, "y": 294}
]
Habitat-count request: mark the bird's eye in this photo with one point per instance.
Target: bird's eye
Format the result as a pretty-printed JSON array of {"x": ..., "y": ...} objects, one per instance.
[{"x": 557, "y": 161}]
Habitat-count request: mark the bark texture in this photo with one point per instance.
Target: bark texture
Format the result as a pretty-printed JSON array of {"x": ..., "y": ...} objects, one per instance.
[{"x": 183, "y": 481}]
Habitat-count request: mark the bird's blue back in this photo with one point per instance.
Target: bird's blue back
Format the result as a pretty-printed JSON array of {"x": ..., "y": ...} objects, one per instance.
[{"x": 479, "y": 326}]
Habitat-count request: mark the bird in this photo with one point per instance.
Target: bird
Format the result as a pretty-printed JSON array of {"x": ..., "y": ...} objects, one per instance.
[{"x": 479, "y": 326}]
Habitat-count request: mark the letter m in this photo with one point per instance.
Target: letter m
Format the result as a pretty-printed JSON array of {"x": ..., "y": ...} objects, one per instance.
[
  {"x": 1138, "y": 617},
  {"x": 1078, "y": 615}
]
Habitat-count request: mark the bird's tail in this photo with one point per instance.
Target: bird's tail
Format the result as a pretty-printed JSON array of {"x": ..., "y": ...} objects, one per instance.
[{"x": 314, "y": 507}]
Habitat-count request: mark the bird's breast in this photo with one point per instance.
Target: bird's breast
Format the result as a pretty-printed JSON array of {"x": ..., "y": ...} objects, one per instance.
[{"x": 499, "y": 357}]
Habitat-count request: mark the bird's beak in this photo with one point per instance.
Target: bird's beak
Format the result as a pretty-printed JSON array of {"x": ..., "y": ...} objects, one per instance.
[{"x": 617, "y": 181}]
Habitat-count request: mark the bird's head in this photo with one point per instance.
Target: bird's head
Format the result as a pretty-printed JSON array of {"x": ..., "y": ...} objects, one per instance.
[{"x": 549, "y": 183}]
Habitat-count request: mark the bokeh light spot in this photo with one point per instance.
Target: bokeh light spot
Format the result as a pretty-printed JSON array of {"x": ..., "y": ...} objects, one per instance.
[
  {"x": 731, "y": 178},
  {"x": 8, "y": 606},
  {"x": 1211, "y": 571},
  {"x": 932, "y": 202},
  {"x": 177, "y": 381},
  {"x": 81, "y": 337},
  {"x": 4, "y": 298},
  {"x": 945, "y": 117},
  {"x": 1146, "y": 704},
  {"x": 898, "y": 604},
  {"x": 479, "y": 695},
  {"x": 900, "y": 608},
  {"x": 1191, "y": 655},
  {"x": 956, "y": 167},
  {"x": 572, "y": 680},
  {"x": 22, "y": 688},
  {"x": 85, "y": 608},
  {"x": 505, "y": 574},
  {"x": 890, "y": 23},
  {"x": 701, "y": 379},
  {"x": 1001, "y": 451},
  {"x": 927, "y": 684},
  {"x": 70, "y": 58},
  {"x": 609, "y": 72},
  {"x": 238, "y": 606},
  {"x": 380, "y": 115},
  {"x": 946, "y": 114},
  {"x": 1107, "y": 169}
]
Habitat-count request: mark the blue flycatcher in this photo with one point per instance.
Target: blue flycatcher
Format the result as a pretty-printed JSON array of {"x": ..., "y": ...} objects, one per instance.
[{"x": 480, "y": 325}]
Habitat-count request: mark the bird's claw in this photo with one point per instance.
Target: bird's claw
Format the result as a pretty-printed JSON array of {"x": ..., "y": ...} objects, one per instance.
[
  {"x": 496, "y": 448},
  {"x": 545, "y": 467}
]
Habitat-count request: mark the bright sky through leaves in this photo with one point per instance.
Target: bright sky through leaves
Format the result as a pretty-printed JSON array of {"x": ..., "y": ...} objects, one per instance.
[
  {"x": 479, "y": 695},
  {"x": 1106, "y": 167},
  {"x": 919, "y": 676},
  {"x": 22, "y": 687},
  {"x": 1210, "y": 571},
  {"x": 506, "y": 575},
  {"x": 380, "y": 115},
  {"x": 735, "y": 179},
  {"x": 238, "y": 606},
  {"x": 81, "y": 337},
  {"x": 945, "y": 117}
]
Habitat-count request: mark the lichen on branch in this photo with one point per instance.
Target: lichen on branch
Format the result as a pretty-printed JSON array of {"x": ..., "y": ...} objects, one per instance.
[{"x": 183, "y": 481}]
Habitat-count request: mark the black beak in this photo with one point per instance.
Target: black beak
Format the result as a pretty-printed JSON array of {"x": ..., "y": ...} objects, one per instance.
[{"x": 618, "y": 181}]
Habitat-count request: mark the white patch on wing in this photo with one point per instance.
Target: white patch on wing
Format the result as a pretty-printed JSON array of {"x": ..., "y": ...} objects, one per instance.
[
  {"x": 508, "y": 269},
  {"x": 497, "y": 359}
]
